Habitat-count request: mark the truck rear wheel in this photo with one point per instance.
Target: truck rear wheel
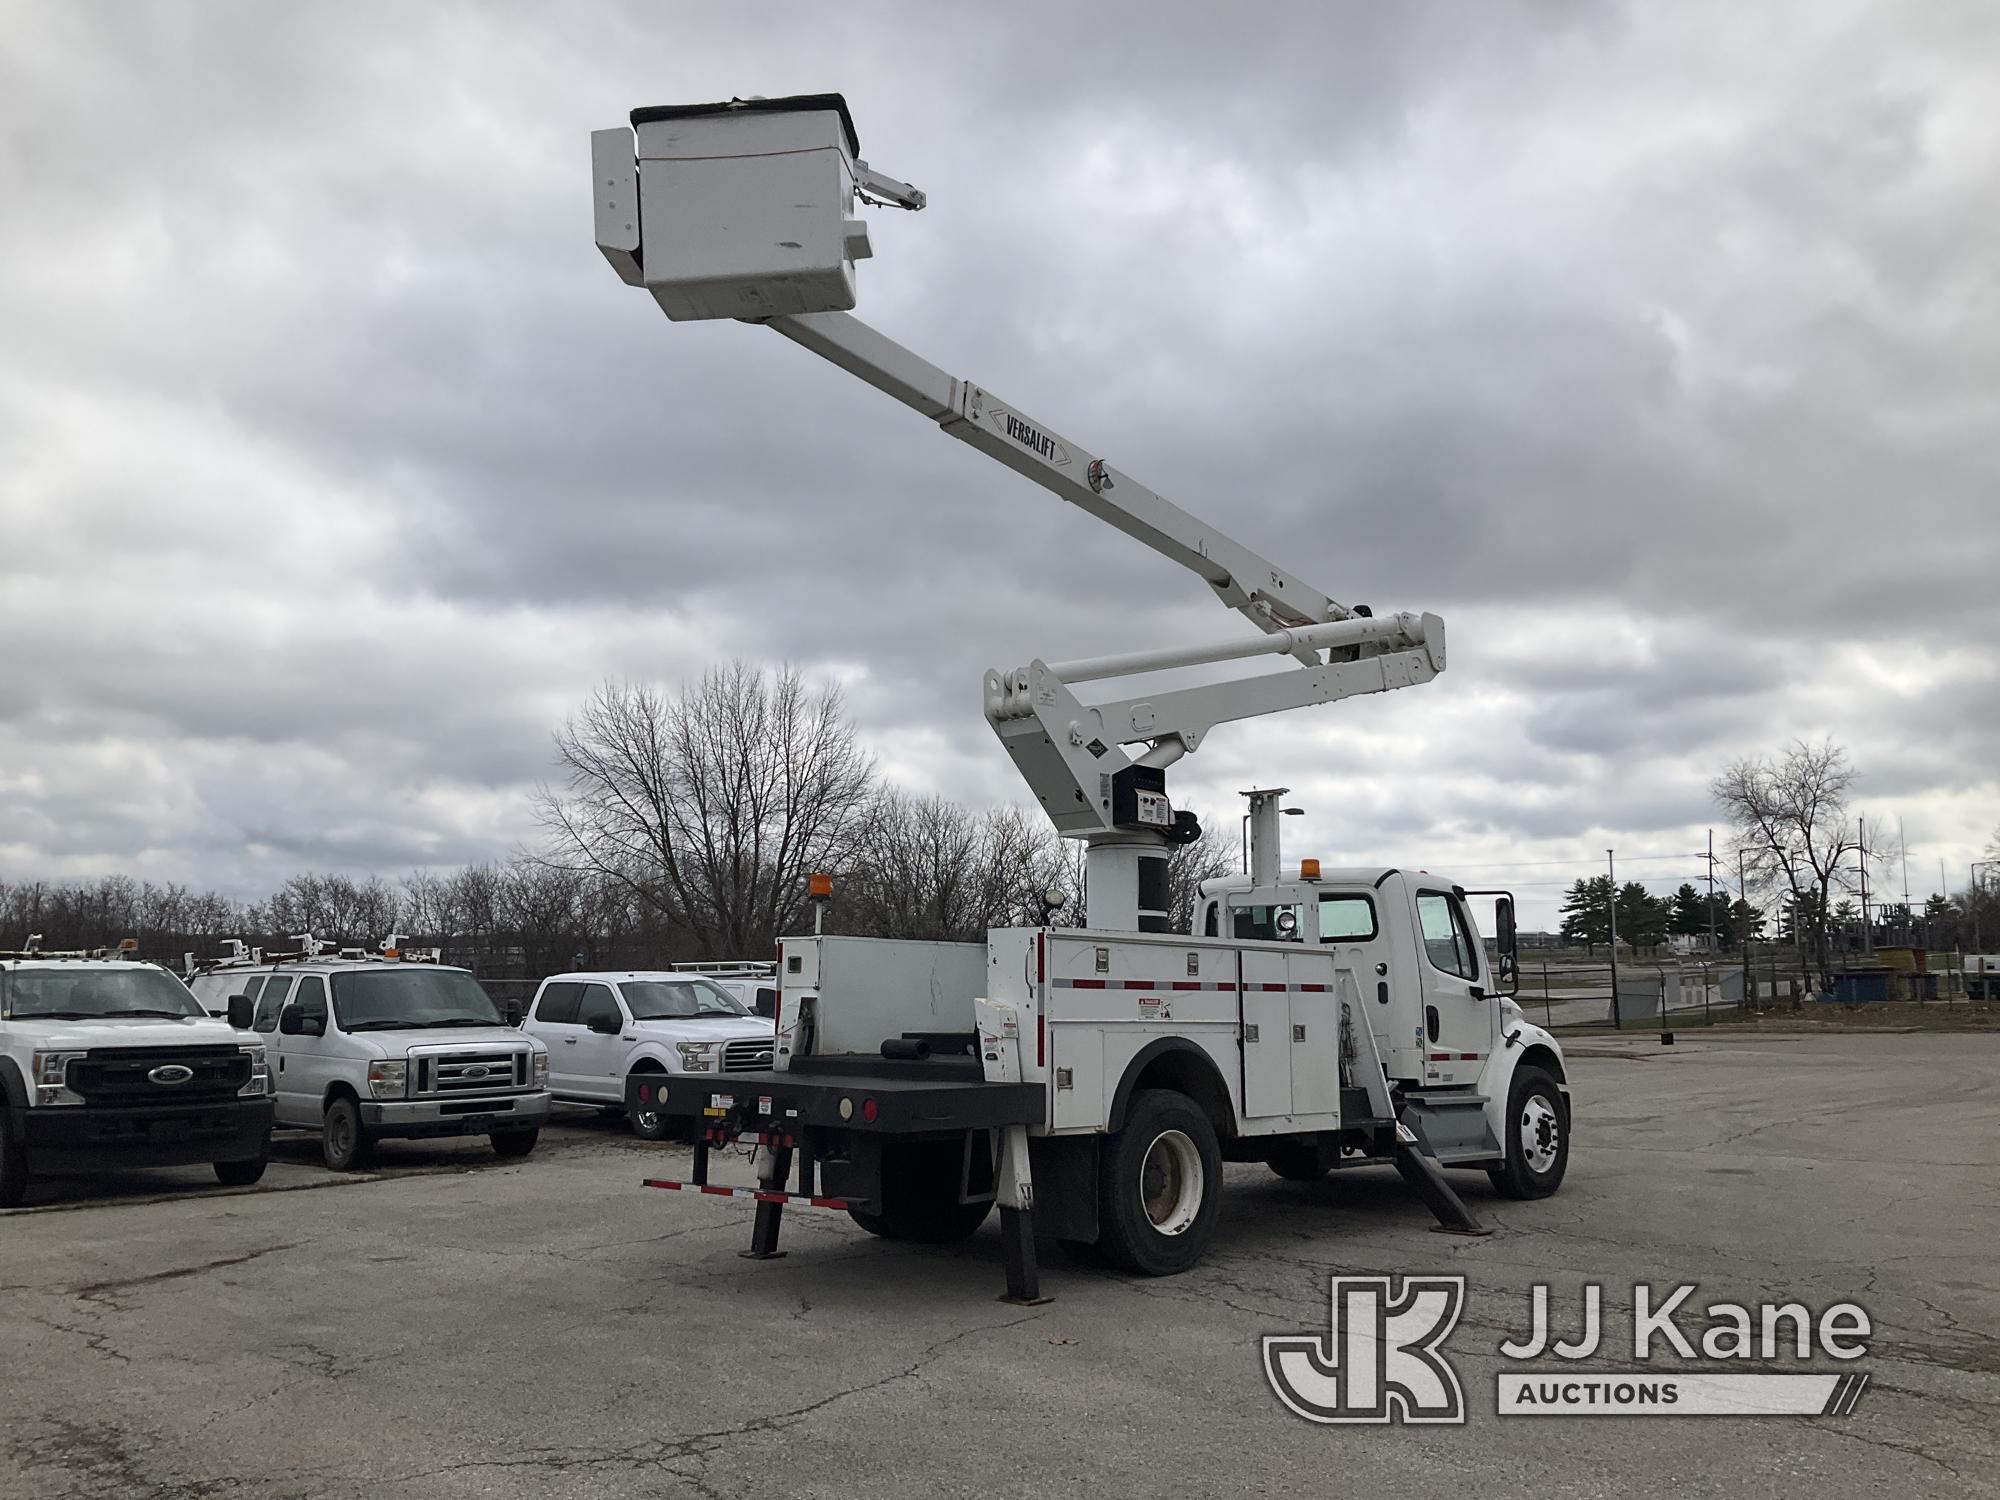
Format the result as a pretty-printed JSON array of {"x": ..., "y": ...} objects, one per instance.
[
  {"x": 649, "y": 1123},
  {"x": 1296, "y": 1161},
  {"x": 1159, "y": 1186},
  {"x": 1537, "y": 1137},
  {"x": 920, "y": 1204}
]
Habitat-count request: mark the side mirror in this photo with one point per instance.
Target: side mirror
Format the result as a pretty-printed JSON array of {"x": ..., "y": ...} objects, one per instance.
[
  {"x": 240, "y": 1012},
  {"x": 607, "y": 1025},
  {"x": 1507, "y": 943},
  {"x": 512, "y": 1013}
]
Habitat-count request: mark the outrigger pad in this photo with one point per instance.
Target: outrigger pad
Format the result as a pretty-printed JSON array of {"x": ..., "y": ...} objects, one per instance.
[{"x": 1421, "y": 1173}]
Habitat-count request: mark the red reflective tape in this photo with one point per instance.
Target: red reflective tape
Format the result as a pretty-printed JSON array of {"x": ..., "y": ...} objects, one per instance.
[
  {"x": 1227, "y": 984},
  {"x": 719, "y": 1192},
  {"x": 1315, "y": 989},
  {"x": 1470, "y": 1056},
  {"x": 1269, "y": 988},
  {"x": 1140, "y": 984},
  {"x": 1186, "y": 984},
  {"x": 828, "y": 1202},
  {"x": 771, "y": 1197},
  {"x": 1083, "y": 984},
  {"x": 661, "y": 1182},
  {"x": 1440, "y": 1057}
]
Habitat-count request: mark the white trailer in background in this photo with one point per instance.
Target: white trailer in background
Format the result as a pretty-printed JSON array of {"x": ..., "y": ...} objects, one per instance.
[{"x": 1095, "y": 1078}]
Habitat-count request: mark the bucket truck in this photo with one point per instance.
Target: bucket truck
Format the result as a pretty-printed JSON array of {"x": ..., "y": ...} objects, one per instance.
[{"x": 1092, "y": 1079}]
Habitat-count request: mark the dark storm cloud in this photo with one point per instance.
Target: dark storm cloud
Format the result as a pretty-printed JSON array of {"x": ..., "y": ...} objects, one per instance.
[{"x": 1653, "y": 347}]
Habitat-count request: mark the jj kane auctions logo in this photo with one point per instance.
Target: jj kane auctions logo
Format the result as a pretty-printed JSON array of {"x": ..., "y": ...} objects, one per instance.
[{"x": 1382, "y": 1358}]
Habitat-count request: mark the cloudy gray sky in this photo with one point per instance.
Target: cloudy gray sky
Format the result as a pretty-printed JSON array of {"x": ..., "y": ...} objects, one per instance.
[{"x": 1654, "y": 346}]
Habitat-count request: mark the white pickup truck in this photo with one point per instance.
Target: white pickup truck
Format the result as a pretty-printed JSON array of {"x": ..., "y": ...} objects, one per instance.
[
  {"x": 107, "y": 1064},
  {"x": 602, "y": 1029}
]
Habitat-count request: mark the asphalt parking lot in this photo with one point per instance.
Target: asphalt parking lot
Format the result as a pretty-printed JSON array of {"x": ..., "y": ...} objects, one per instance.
[{"x": 455, "y": 1326}]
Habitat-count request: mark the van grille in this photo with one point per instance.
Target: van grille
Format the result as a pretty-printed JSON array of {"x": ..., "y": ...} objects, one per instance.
[
  {"x": 452, "y": 1073},
  {"x": 748, "y": 1055}
]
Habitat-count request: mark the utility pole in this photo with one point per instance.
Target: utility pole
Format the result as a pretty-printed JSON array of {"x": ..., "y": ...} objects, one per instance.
[
  {"x": 1861, "y": 852},
  {"x": 1743, "y": 895},
  {"x": 1611, "y": 864},
  {"x": 1902, "y": 837},
  {"x": 1712, "y": 947}
]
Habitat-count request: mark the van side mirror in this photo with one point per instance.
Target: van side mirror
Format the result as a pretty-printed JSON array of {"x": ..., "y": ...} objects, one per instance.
[
  {"x": 513, "y": 1013},
  {"x": 240, "y": 1012}
]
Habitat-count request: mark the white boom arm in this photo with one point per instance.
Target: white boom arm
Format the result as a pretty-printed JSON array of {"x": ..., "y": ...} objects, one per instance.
[{"x": 742, "y": 210}]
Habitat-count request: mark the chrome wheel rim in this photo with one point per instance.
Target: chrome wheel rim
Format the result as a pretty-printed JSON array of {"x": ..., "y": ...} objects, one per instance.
[
  {"x": 1171, "y": 1182},
  {"x": 646, "y": 1120},
  {"x": 1541, "y": 1134}
]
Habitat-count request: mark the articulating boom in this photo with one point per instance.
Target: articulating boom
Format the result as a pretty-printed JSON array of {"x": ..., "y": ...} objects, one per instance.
[{"x": 744, "y": 210}]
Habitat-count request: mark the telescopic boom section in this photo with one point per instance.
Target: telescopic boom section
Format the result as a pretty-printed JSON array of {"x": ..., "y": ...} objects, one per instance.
[{"x": 745, "y": 210}]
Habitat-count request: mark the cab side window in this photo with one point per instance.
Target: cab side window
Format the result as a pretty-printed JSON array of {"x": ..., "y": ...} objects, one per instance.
[
  {"x": 1447, "y": 940},
  {"x": 270, "y": 1000},
  {"x": 596, "y": 1004},
  {"x": 1346, "y": 919},
  {"x": 557, "y": 1003}
]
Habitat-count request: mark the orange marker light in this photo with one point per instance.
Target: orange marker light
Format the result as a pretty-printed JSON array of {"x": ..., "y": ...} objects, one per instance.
[
  {"x": 819, "y": 887},
  {"x": 1308, "y": 869}
]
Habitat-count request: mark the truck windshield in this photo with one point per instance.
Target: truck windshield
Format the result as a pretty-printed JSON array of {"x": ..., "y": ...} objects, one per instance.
[
  {"x": 679, "y": 999},
  {"x": 93, "y": 994},
  {"x": 399, "y": 999}
]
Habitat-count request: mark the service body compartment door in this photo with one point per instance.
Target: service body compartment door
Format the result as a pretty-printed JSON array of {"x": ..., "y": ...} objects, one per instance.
[{"x": 1267, "y": 1032}]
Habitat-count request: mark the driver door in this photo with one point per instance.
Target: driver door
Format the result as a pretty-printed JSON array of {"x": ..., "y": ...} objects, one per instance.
[
  {"x": 1460, "y": 996},
  {"x": 599, "y": 1054}
]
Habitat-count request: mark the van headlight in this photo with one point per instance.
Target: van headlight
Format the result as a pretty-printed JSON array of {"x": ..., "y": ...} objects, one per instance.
[
  {"x": 51, "y": 1070},
  {"x": 258, "y": 1084},
  {"x": 389, "y": 1078},
  {"x": 697, "y": 1057},
  {"x": 539, "y": 1070}
]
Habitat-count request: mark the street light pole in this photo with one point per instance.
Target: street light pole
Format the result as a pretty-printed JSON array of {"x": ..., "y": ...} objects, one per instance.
[{"x": 1611, "y": 865}]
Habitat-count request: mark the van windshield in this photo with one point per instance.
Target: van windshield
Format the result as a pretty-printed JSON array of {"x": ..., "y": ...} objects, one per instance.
[
  {"x": 94, "y": 994},
  {"x": 406, "y": 999},
  {"x": 678, "y": 999}
]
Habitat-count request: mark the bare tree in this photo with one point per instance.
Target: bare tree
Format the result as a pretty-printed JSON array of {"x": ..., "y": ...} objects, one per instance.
[
  {"x": 713, "y": 806},
  {"x": 1790, "y": 816},
  {"x": 929, "y": 868}
]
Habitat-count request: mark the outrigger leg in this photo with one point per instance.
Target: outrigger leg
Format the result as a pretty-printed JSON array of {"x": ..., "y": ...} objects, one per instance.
[
  {"x": 1419, "y": 1169},
  {"x": 1017, "y": 1219},
  {"x": 775, "y": 1162}
]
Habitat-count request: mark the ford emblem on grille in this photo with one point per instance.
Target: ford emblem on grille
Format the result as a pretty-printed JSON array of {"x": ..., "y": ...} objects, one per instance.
[
  {"x": 477, "y": 1070},
  {"x": 167, "y": 1075}
]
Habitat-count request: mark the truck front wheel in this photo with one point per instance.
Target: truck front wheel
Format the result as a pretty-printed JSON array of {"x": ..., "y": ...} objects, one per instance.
[
  {"x": 241, "y": 1173},
  {"x": 920, "y": 1181},
  {"x": 13, "y": 1167},
  {"x": 344, "y": 1142},
  {"x": 1537, "y": 1137},
  {"x": 1159, "y": 1185}
]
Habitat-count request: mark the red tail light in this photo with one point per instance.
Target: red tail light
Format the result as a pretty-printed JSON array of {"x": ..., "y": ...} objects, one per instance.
[{"x": 868, "y": 1110}]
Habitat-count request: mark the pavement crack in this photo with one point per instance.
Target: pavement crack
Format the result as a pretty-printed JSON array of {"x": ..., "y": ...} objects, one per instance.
[{"x": 103, "y": 1291}]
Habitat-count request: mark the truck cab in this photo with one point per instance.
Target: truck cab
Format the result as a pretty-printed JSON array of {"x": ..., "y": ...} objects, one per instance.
[
  {"x": 364, "y": 1047},
  {"x": 109, "y": 1063},
  {"x": 1440, "y": 1006}
]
